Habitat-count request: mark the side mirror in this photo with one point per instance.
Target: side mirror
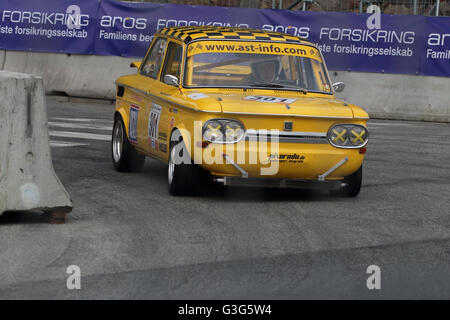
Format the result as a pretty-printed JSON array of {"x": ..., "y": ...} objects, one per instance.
[
  {"x": 338, "y": 86},
  {"x": 171, "y": 80},
  {"x": 135, "y": 64}
]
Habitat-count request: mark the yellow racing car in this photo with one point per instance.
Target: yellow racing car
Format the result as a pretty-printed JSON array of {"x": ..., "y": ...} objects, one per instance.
[{"x": 238, "y": 107}]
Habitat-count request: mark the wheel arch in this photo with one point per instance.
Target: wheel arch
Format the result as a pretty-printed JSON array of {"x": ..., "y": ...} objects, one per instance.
[
  {"x": 185, "y": 136},
  {"x": 120, "y": 112}
]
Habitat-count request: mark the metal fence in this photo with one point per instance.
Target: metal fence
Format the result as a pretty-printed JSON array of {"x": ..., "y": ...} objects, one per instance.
[
  {"x": 413, "y": 7},
  {"x": 223, "y": 3}
]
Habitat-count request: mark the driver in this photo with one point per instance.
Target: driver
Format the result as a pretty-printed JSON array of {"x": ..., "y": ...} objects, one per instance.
[{"x": 265, "y": 72}]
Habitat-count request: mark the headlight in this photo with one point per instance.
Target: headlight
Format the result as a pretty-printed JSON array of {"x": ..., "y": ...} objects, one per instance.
[
  {"x": 358, "y": 136},
  {"x": 348, "y": 136},
  {"x": 223, "y": 131},
  {"x": 212, "y": 131}
]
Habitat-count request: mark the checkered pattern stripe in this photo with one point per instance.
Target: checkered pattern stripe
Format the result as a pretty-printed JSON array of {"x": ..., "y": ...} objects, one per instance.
[{"x": 188, "y": 34}]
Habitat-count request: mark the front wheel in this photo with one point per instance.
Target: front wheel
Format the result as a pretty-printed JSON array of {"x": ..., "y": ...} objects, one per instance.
[
  {"x": 183, "y": 176},
  {"x": 353, "y": 184},
  {"x": 124, "y": 156}
]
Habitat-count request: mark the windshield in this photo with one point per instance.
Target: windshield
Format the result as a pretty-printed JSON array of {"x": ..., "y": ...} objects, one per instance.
[{"x": 255, "y": 65}]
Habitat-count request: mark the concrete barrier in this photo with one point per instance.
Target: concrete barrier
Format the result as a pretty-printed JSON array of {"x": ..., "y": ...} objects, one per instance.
[
  {"x": 2, "y": 59},
  {"x": 74, "y": 75},
  {"x": 394, "y": 96},
  {"x": 27, "y": 178},
  {"x": 388, "y": 96}
]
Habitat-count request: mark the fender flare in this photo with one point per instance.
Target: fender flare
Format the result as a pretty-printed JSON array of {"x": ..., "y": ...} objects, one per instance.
[
  {"x": 122, "y": 113},
  {"x": 185, "y": 136}
]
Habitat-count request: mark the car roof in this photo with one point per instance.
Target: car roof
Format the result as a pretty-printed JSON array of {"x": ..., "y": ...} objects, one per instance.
[{"x": 189, "y": 34}]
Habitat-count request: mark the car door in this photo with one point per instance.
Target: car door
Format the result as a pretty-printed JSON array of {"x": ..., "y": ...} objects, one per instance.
[
  {"x": 160, "y": 130},
  {"x": 149, "y": 111}
]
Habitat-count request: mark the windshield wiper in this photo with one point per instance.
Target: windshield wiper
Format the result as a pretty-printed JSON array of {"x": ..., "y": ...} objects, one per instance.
[
  {"x": 267, "y": 85},
  {"x": 280, "y": 86}
]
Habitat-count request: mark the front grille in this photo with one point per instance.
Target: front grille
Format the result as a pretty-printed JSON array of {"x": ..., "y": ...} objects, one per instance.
[{"x": 287, "y": 137}]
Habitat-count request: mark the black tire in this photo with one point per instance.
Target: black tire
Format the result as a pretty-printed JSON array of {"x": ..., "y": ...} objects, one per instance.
[
  {"x": 183, "y": 176},
  {"x": 124, "y": 156},
  {"x": 353, "y": 186}
]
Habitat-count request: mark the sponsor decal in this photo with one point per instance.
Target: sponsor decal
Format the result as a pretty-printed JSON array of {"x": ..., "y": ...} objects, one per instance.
[
  {"x": 270, "y": 99},
  {"x": 163, "y": 147},
  {"x": 255, "y": 48},
  {"x": 153, "y": 123},
  {"x": 135, "y": 96},
  {"x": 132, "y": 125},
  {"x": 286, "y": 158},
  {"x": 197, "y": 95},
  {"x": 172, "y": 122},
  {"x": 162, "y": 136},
  {"x": 288, "y": 126}
]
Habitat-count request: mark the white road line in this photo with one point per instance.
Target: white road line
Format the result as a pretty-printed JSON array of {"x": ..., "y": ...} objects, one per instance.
[
  {"x": 81, "y": 135},
  {"x": 80, "y": 120},
  {"x": 62, "y": 144},
  {"x": 390, "y": 124},
  {"x": 79, "y": 126}
]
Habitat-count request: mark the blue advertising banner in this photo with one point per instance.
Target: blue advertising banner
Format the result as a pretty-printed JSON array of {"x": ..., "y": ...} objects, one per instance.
[
  {"x": 125, "y": 29},
  {"x": 359, "y": 42},
  {"x": 436, "y": 56},
  {"x": 49, "y": 26},
  {"x": 348, "y": 44}
]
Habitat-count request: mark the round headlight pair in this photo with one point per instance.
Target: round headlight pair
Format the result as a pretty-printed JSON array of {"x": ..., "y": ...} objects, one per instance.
[
  {"x": 223, "y": 131},
  {"x": 348, "y": 136}
]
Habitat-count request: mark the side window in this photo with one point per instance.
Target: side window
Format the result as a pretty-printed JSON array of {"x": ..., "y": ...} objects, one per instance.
[
  {"x": 172, "y": 64},
  {"x": 154, "y": 60}
]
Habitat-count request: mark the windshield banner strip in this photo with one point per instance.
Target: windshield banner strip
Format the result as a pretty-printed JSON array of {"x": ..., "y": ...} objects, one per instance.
[{"x": 254, "y": 48}]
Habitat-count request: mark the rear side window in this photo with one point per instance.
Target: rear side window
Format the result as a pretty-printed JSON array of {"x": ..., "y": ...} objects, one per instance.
[{"x": 153, "y": 63}]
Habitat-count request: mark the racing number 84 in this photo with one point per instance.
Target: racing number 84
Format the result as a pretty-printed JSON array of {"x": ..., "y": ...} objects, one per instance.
[{"x": 153, "y": 122}]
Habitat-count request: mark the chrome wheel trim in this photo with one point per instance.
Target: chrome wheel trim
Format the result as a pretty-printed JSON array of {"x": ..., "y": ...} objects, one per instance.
[
  {"x": 171, "y": 169},
  {"x": 117, "y": 141}
]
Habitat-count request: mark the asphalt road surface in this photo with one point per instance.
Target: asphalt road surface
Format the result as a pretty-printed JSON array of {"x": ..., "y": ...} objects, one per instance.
[{"x": 132, "y": 240}]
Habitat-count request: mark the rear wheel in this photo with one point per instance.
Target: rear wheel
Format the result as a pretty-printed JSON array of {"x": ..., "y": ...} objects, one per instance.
[
  {"x": 183, "y": 177},
  {"x": 353, "y": 184},
  {"x": 124, "y": 156}
]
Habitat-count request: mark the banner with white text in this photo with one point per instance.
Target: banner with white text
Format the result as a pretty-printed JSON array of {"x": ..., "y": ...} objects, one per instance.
[{"x": 394, "y": 44}]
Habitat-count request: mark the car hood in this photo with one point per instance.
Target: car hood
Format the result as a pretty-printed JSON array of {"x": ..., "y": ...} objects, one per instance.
[{"x": 295, "y": 106}]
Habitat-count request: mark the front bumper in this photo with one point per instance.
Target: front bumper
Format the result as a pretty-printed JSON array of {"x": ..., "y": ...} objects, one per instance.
[
  {"x": 281, "y": 183},
  {"x": 245, "y": 181},
  {"x": 310, "y": 163}
]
